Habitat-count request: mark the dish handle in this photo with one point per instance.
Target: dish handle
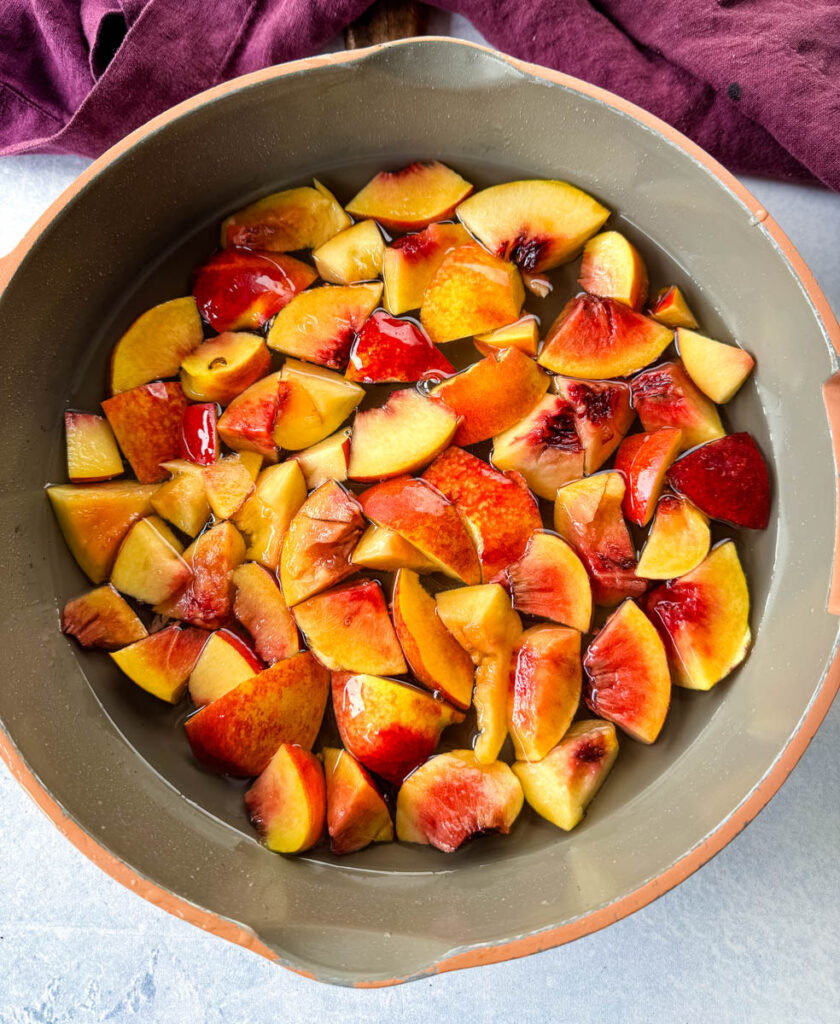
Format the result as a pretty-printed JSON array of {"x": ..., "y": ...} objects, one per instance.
[{"x": 831, "y": 397}]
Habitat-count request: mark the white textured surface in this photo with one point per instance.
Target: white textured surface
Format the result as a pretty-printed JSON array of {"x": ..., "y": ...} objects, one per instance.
[{"x": 753, "y": 936}]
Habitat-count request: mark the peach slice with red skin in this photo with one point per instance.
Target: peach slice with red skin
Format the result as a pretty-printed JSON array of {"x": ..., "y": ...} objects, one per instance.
[
  {"x": 410, "y": 263},
  {"x": 388, "y": 350},
  {"x": 327, "y": 460},
  {"x": 544, "y": 689},
  {"x": 644, "y": 459},
  {"x": 357, "y": 814},
  {"x": 669, "y": 307},
  {"x": 259, "y": 606},
  {"x": 492, "y": 395},
  {"x": 147, "y": 425},
  {"x": 92, "y": 452},
  {"x": 161, "y": 663},
  {"x": 613, "y": 269},
  {"x": 228, "y": 484},
  {"x": 537, "y": 224},
  {"x": 149, "y": 566},
  {"x": 471, "y": 292},
  {"x": 102, "y": 618},
  {"x": 627, "y": 677},
  {"x": 313, "y": 403},
  {"x": 223, "y": 367},
  {"x": 499, "y": 509},
  {"x": 703, "y": 617},
  {"x": 718, "y": 370},
  {"x": 562, "y": 785},
  {"x": 241, "y": 288},
  {"x": 287, "y": 803},
  {"x": 411, "y": 197},
  {"x": 524, "y": 334},
  {"x": 595, "y": 338},
  {"x": 155, "y": 344},
  {"x": 264, "y": 519},
  {"x": 727, "y": 479},
  {"x": 453, "y": 797},
  {"x": 248, "y": 422},
  {"x": 384, "y": 549},
  {"x": 549, "y": 581},
  {"x": 603, "y": 414},
  {"x": 353, "y": 255},
  {"x": 432, "y": 524},
  {"x": 664, "y": 396},
  {"x": 389, "y": 726},
  {"x": 225, "y": 662},
  {"x": 297, "y": 218},
  {"x": 348, "y": 629},
  {"x": 678, "y": 540},
  {"x": 199, "y": 436},
  {"x": 238, "y": 733}
]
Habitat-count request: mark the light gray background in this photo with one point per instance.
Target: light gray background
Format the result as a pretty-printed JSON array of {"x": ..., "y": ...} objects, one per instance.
[{"x": 753, "y": 936}]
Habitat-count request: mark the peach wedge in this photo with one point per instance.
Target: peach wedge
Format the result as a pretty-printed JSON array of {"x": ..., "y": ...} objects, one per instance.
[
  {"x": 161, "y": 663},
  {"x": 603, "y": 413},
  {"x": 678, "y": 540},
  {"x": 155, "y": 344},
  {"x": 147, "y": 425},
  {"x": 247, "y": 425},
  {"x": 327, "y": 460},
  {"x": 524, "y": 334},
  {"x": 357, "y": 814},
  {"x": 102, "y": 618},
  {"x": 287, "y": 803},
  {"x": 223, "y": 367},
  {"x": 410, "y": 263},
  {"x": 149, "y": 566},
  {"x": 225, "y": 662},
  {"x": 353, "y": 255},
  {"x": 264, "y": 518},
  {"x": 411, "y": 197},
  {"x": 643, "y": 460},
  {"x": 313, "y": 403},
  {"x": 259, "y": 606},
  {"x": 228, "y": 484},
  {"x": 613, "y": 269},
  {"x": 664, "y": 396},
  {"x": 718, "y": 370},
  {"x": 385, "y": 550},
  {"x": 297, "y": 218},
  {"x": 670, "y": 307},
  {"x": 549, "y": 581},
  {"x": 92, "y": 452},
  {"x": 389, "y": 350}
]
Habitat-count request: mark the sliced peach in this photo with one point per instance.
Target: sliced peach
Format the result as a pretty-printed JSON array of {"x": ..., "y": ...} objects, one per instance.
[
  {"x": 401, "y": 436},
  {"x": 101, "y": 618},
  {"x": 549, "y": 581},
  {"x": 357, "y": 814},
  {"x": 389, "y": 726},
  {"x": 410, "y": 263},
  {"x": 348, "y": 629},
  {"x": 161, "y": 663},
  {"x": 564, "y": 783},
  {"x": 353, "y": 255},
  {"x": 644, "y": 459},
  {"x": 225, "y": 662},
  {"x": 536, "y": 224},
  {"x": 238, "y": 733},
  {"x": 613, "y": 269},
  {"x": 603, "y": 413},
  {"x": 594, "y": 338},
  {"x": 326, "y": 460},
  {"x": 147, "y": 425},
  {"x": 678, "y": 540},
  {"x": 384, "y": 549},
  {"x": 223, "y": 367},
  {"x": 155, "y": 344},
  {"x": 544, "y": 689},
  {"x": 297, "y": 218},
  {"x": 471, "y": 292},
  {"x": 92, "y": 452},
  {"x": 434, "y": 656},
  {"x": 704, "y": 619},
  {"x": 252, "y": 461},
  {"x": 247, "y": 425},
  {"x": 182, "y": 500},
  {"x": 260, "y": 608},
  {"x": 149, "y": 566},
  {"x": 455, "y": 796},
  {"x": 412, "y": 197},
  {"x": 669, "y": 307},
  {"x": 320, "y": 539},
  {"x": 664, "y": 396},
  {"x": 320, "y": 325},
  {"x": 227, "y": 484},
  {"x": 421, "y": 515},
  {"x": 199, "y": 436},
  {"x": 314, "y": 402},
  {"x": 492, "y": 395},
  {"x": 524, "y": 334},
  {"x": 388, "y": 350},
  {"x": 718, "y": 370},
  {"x": 499, "y": 509},
  {"x": 288, "y": 803}
]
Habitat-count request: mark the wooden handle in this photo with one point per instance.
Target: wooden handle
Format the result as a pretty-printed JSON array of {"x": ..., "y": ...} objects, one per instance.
[{"x": 384, "y": 21}]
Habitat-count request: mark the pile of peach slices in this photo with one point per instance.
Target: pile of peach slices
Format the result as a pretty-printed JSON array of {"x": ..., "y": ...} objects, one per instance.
[{"x": 269, "y": 508}]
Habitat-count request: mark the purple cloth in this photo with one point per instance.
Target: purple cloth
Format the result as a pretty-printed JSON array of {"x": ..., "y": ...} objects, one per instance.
[{"x": 755, "y": 82}]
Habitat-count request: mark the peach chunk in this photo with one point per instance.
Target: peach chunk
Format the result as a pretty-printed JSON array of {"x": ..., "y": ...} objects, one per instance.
[
  {"x": 353, "y": 255},
  {"x": 199, "y": 434},
  {"x": 297, "y": 218},
  {"x": 499, "y": 509},
  {"x": 357, "y": 814},
  {"x": 326, "y": 460},
  {"x": 264, "y": 518},
  {"x": 94, "y": 518},
  {"x": 92, "y": 452},
  {"x": 678, "y": 540},
  {"x": 320, "y": 539},
  {"x": 423, "y": 517},
  {"x": 348, "y": 628},
  {"x": 388, "y": 350},
  {"x": 603, "y": 414},
  {"x": 435, "y": 658},
  {"x": 536, "y": 224},
  {"x": 563, "y": 784},
  {"x": 147, "y": 425},
  {"x": 314, "y": 402},
  {"x": 389, "y": 726},
  {"x": 288, "y": 802},
  {"x": 410, "y": 263},
  {"x": 718, "y": 370},
  {"x": 247, "y": 425},
  {"x": 587, "y": 514},
  {"x": 643, "y": 459},
  {"x": 549, "y": 581},
  {"x": 207, "y": 599},
  {"x": 161, "y": 663},
  {"x": 260, "y": 608},
  {"x": 613, "y": 269},
  {"x": 664, "y": 396},
  {"x": 544, "y": 447},
  {"x": 155, "y": 344},
  {"x": 149, "y": 566},
  {"x": 101, "y": 618},
  {"x": 385, "y": 550},
  {"x": 401, "y": 436},
  {"x": 453, "y": 797},
  {"x": 524, "y": 334},
  {"x": 225, "y": 662},
  {"x": 238, "y": 733},
  {"x": 492, "y": 395},
  {"x": 544, "y": 689},
  {"x": 704, "y": 619},
  {"x": 627, "y": 677},
  {"x": 669, "y": 307},
  {"x": 594, "y": 338},
  {"x": 320, "y": 325},
  {"x": 223, "y": 367},
  {"x": 472, "y": 292},
  {"x": 227, "y": 484},
  {"x": 238, "y": 288},
  {"x": 411, "y": 197}
]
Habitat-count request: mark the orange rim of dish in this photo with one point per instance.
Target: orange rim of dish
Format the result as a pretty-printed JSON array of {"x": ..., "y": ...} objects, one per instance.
[{"x": 703, "y": 851}]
